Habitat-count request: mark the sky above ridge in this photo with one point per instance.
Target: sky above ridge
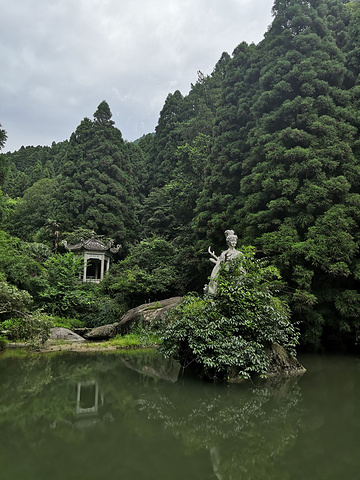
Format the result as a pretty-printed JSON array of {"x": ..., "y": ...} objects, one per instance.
[{"x": 61, "y": 58}]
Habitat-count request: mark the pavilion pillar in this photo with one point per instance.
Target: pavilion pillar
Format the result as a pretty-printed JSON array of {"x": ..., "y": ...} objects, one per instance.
[
  {"x": 102, "y": 267},
  {"x": 85, "y": 269}
]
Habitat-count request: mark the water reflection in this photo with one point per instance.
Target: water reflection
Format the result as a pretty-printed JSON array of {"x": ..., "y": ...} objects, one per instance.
[
  {"x": 245, "y": 429},
  {"x": 152, "y": 365},
  {"x": 112, "y": 416}
]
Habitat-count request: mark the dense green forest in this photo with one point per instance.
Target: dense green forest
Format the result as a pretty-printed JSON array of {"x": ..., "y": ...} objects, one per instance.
[{"x": 268, "y": 144}]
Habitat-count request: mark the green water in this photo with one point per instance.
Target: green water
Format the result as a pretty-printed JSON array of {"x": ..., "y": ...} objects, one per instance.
[{"x": 105, "y": 416}]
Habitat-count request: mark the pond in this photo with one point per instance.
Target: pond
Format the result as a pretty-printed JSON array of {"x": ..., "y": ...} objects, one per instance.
[{"x": 128, "y": 416}]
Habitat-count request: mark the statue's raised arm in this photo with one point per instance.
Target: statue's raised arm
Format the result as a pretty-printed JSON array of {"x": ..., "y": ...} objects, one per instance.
[{"x": 213, "y": 258}]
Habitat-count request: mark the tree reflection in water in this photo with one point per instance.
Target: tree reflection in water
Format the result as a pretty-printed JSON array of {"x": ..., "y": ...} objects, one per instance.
[{"x": 243, "y": 430}]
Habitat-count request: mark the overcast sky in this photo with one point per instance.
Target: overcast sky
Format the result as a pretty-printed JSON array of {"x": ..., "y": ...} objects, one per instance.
[{"x": 60, "y": 58}]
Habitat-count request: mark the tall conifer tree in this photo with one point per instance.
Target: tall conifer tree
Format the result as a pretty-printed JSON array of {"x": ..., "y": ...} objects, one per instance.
[{"x": 99, "y": 188}]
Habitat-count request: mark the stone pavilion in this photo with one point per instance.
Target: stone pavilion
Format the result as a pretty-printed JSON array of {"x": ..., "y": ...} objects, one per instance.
[{"x": 97, "y": 257}]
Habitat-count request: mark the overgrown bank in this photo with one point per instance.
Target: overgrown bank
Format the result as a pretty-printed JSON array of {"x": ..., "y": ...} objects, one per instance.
[{"x": 231, "y": 334}]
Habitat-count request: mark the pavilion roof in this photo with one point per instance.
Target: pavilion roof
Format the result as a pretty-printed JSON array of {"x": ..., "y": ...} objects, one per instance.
[{"x": 91, "y": 244}]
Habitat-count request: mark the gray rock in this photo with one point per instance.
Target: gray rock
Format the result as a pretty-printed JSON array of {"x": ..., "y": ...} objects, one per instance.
[
  {"x": 60, "y": 333},
  {"x": 282, "y": 363},
  {"x": 148, "y": 312},
  {"x": 104, "y": 332},
  {"x": 81, "y": 330}
]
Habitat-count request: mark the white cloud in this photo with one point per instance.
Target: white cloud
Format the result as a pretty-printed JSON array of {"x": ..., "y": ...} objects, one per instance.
[{"x": 61, "y": 58}]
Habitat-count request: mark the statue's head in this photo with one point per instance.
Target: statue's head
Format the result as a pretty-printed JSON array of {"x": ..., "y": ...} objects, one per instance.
[{"x": 231, "y": 238}]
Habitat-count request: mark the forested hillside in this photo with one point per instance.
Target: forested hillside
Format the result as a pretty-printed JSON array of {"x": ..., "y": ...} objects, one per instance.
[{"x": 268, "y": 144}]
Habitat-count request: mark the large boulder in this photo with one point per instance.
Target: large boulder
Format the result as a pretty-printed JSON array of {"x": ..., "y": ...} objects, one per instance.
[
  {"x": 282, "y": 363},
  {"x": 60, "y": 333},
  {"x": 147, "y": 313},
  {"x": 104, "y": 332}
]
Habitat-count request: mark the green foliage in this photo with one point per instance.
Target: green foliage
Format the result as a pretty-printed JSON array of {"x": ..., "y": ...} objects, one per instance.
[
  {"x": 229, "y": 333},
  {"x": 129, "y": 340},
  {"x": 21, "y": 263},
  {"x": 284, "y": 166},
  {"x": 3, "y": 342},
  {"x": 34, "y": 329},
  {"x": 168, "y": 211},
  {"x": 103, "y": 114},
  {"x": 141, "y": 339},
  {"x": 62, "y": 294},
  {"x": 102, "y": 309},
  {"x": 151, "y": 271},
  {"x": 66, "y": 322},
  {"x": 30, "y": 214},
  {"x": 141, "y": 334},
  {"x": 6, "y": 207},
  {"x": 12, "y": 300},
  {"x": 148, "y": 333},
  {"x": 31, "y": 164}
]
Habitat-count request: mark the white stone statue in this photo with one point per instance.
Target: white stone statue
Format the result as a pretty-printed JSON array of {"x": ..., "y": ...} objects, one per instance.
[{"x": 229, "y": 254}]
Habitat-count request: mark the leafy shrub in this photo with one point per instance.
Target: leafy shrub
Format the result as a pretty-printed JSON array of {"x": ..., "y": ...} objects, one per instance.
[
  {"x": 38, "y": 251},
  {"x": 21, "y": 263},
  {"x": 3, "y": 342},
  {"x": 150, "y": 272},
  {"x": 148, "y": 333},
  {"x": 33, "y": 329},
  {"x": 65, "y": 322},
  {"x": 62, "y": 294},
  {"x": 229, "y": 332},
  {"x": 102, "y": 310},
  {"x": 13, "y": 300},
  {"x": 15, "y": 328},
  {"x": 140, "y": 335}
]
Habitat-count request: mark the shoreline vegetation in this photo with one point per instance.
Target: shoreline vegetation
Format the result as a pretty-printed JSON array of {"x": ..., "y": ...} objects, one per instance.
[
  {"x": 292, "y": 371},
  {"x": 78, "y": 347},
  {"x": 240, "y": 332},
  {"x": 127, "y": 342}
]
